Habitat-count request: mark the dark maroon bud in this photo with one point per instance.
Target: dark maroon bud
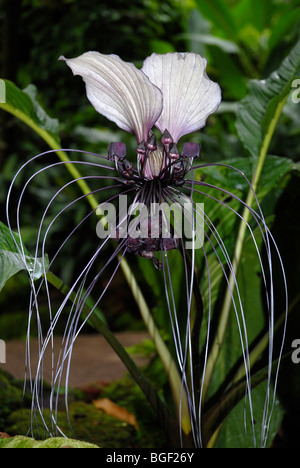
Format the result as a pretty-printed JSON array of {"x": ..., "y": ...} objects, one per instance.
[
  {"x": 151, "y": 143},
  {"x": 117, "y": 150},
  {"x": 133, "y": 245},
  {"x": 173, "y": 151},
  {"x": 170, "y": 243},
  {"x": 191, "y": 150},
  {"x": 125, "y": 168},
  {"x": 166, "y": 138},
  {"x": 141, "y": 149}
]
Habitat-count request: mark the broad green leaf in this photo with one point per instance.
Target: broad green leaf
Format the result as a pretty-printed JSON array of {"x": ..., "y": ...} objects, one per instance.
[
  {"x": 218, "y": 12},
  {"x": 274, "y": 171},
  {"x": 238, "y": 433},
  {"x": 229, "y": 419},
  {"x": 274, "y": 175},
  {"x": 255, "y": 12},
  {"x": 11, "y": 261},
  {"x": 233, "y": 81},
  {"x": 287, "y": 22},
  {"x": 257, "y": 118},
  {"x": 258, "y": 113},
  {"x": 208, "y": 39},
  {"x": 24, "y": 105},
  {"x": 250, "y": 285},
  {"x": 259, "y": 13},
  {"x": 161, "y": 47}
]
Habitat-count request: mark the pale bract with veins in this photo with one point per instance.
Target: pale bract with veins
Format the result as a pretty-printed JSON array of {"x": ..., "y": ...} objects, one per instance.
[{"x": 171, "y": 92}]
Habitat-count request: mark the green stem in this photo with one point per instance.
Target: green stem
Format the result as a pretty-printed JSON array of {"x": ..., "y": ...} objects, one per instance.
[
  {"x": 225, "y": 313},
  {"x": 53, "y": 143}
]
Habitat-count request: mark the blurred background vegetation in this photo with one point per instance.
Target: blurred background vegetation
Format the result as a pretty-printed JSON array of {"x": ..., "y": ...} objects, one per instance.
[{"x": 242, "y": 39}]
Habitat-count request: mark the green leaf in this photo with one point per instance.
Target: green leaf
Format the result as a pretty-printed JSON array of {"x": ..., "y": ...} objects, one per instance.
[
  {"x": 230, "y": 409},
  {"x": 274, "y": 178},
  {"x": 257, "y": 113},
  {"x": 11, "y": 261},
  {"x": 161, "y": 47},
  {"x": 220, "y": 15},
  {"x": 254, "y": 13},
  {"x": 39, "y": 114},
  {"x": 232, "y": 82},
  {"x": 288, "y": 21},
  {"x": 257, "y": 117},
  {"x": 24, "y": 105},
  {"x": 235, "y": 431},
  {"x": 259, "y": 13},
  {"x": 208, "y": 39},
  {"x": 274, "y": 172}
]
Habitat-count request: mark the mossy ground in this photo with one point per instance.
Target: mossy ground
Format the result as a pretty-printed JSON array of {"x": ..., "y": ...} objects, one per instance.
[
  {"x": 55, "y": 442},
  {"x": 84, "y": 422}
]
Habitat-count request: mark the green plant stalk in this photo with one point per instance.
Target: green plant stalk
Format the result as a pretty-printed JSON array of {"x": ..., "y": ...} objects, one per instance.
[
  {"x": 52, "y": 142},
  {"x": 225, "y": 313},
  {"x": 165, "y": 356}
]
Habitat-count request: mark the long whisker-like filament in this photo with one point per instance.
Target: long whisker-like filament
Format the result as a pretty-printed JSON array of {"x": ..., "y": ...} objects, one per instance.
[
  {"x": 227, "y": 259},
  {"x": 192, "y": 342},
  {"x": 36, "y": 383},
  {"x": 267, "y": 240}
]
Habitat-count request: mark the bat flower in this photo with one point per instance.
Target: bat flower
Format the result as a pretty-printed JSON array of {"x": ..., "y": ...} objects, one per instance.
[
  {"x": 171, "y": 92},
  {"x": 201, "y": 290}
]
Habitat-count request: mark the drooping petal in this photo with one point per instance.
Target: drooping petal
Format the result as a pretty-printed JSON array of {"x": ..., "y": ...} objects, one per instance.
[
  {"x": 189, "y": 96},
  {"x": 119, "y": 91}
]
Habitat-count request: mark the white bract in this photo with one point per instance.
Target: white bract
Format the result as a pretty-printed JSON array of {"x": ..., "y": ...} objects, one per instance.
[{"x": 172, "y": 92}]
